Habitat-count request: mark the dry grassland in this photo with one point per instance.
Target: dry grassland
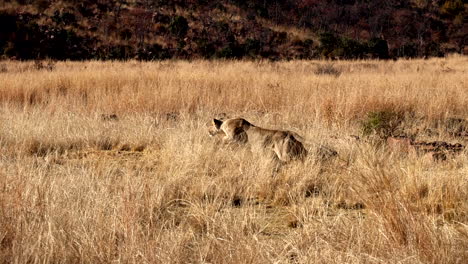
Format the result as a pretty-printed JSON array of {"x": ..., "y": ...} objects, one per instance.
[{"x": 148, "y": 185}]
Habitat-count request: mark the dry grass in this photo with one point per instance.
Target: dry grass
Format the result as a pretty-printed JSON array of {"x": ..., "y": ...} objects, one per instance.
[{"x": 79, "y": 185}]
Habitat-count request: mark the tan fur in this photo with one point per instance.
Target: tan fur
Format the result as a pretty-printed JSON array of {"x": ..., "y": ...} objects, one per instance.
[{"x": 282, "y": 145}]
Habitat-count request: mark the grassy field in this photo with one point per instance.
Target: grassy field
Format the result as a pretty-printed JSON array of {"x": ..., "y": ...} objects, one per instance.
[{"x": 111, "y": 162}]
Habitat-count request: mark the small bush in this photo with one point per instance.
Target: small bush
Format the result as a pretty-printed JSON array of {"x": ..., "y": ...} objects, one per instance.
[
  {"x": 433, "y": 49},
  {"x": 39, "y": 148},
  {"x": 42, "y": 5},
  {"x": 328, "y": 43},
  {"x": 121, "y": 52},
  {"x": 343, "y": 47},
  {"x": 152, "y": 52},
  {"x": 205, "y": 47},
  {"x": 452, "y": 8},
  {"x": 351, "y": 48},
  {"x": 308, "y": 43},
  {"x": 179, "y": 26},
  {"x": 378, "y": 48},
  {"x": 232, "y": 50},
  {"x": 381, "y": 123},
  {"x": 126, "y": 34},
  {"x": 105, "y": 143},
  {"x": 222, "y": 27},
  {"x": 65, "y": 18},
  {"x": 409, "y": 50},
  {"x": 328, "y": 69},
  {"x": 42, "y": 65},
  {"x": 8, "y": 22},
  {"x": 252, "y": 47}
]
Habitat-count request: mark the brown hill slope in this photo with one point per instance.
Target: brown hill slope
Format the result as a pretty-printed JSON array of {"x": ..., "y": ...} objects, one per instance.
[{"x": 283, "y": 29}]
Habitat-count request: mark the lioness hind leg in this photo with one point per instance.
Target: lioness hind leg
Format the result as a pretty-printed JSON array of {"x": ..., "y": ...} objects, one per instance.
[
  {"x": 281, "y": 155},
  {"x": 277, "y": 162},
  {"x": 290, "y": 149},
  {"x": 240, "y": 136}
]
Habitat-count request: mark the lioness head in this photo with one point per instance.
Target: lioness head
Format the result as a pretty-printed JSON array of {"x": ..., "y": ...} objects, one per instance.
[
  {"x": 234, "y": 129},
  {"x": 215, "y": 128}
]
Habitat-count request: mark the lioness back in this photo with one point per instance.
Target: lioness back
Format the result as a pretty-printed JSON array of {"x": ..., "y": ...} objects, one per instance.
[{"x": 284, "y": 144}]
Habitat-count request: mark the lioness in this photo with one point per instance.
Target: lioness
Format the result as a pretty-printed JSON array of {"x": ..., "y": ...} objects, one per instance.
[{"x": 282, "y": 145}]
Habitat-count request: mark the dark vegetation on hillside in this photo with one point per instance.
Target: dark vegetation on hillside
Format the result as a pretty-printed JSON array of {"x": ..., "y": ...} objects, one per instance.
[{"x": 281, "y": 29}]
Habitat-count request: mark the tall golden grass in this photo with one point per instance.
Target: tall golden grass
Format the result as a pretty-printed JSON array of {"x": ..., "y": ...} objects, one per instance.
[{"x": 80, "y": 186}]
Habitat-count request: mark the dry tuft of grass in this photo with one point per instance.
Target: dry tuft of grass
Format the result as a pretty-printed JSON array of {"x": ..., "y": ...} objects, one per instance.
[
  {"x": 112, "y": 162},
  {"x": 327, "y": 69}
]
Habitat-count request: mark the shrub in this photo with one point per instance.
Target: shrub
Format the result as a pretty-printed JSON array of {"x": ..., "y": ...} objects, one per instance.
[
  {"x": 42, "y": 5},
  {"x": 63, "y": 44},
  {"x": 327, "y": 68},
  {"x": 452, "y": 8},
  {"x": 8, "y": 22},
  {"x": 205, "y": 47},
  {"x": 152, "y": 52},
  {"x": 378, "y": 48},
  {"x": 433, "y": 50},
  {"x": 126, "y": 34},
  {"x": 382, "y": 123},
  {"x": 9, "y": 49},
  {"x": 65, "y": 18},
  {"x": 179, "y": 26},
  {"x": 328, "y": 43},
  {"x": 409, "y": 50},
  {"x": 86, "y": 10},
  {"x": 232, "y": 50},
  {"x": 348, "y": 48},
  {"x": 351, "y": 49},
  {"x": 41, "y": 65},
  {"x": 121, "y": 52},
  {"x": 308, "y": 43},
  {"x": 26, "y": 44},
  {"x": 222, "y": 27},
  {"x": 252, "y": 47}
]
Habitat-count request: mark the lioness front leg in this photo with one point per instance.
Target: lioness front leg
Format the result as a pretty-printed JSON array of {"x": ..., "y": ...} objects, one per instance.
[{"x": 229, "y": 141}]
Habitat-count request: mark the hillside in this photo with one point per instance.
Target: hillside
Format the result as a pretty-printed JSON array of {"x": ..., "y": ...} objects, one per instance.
[{"x": 283, "y": 29}]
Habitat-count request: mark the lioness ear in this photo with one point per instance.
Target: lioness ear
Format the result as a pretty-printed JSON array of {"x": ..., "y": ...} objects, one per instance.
[{"x": 217, "y": 123}]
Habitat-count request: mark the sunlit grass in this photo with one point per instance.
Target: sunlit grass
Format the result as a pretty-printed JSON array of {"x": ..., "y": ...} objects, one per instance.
[{"x": 150, "y": 186}]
